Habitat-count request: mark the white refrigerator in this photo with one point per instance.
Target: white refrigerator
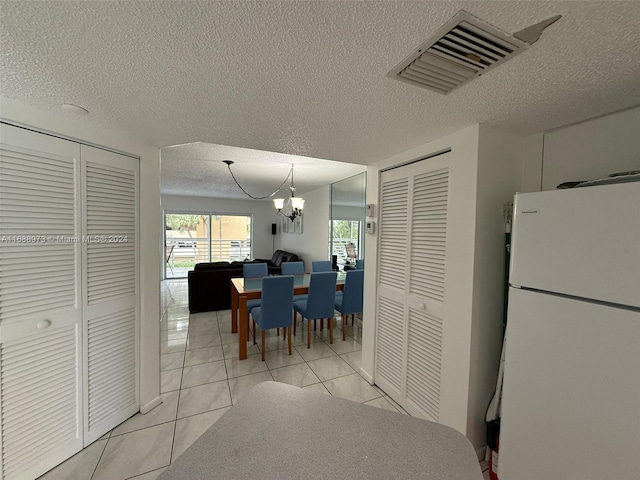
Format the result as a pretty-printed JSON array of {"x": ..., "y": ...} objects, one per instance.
[{"x": 571, "y": 394}]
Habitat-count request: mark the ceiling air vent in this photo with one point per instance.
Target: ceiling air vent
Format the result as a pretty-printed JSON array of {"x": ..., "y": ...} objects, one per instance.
[{"x": 461, "y": 50}]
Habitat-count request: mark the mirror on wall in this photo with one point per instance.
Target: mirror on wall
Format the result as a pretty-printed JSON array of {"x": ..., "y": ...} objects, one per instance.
[{"x": 347, "y": 220}]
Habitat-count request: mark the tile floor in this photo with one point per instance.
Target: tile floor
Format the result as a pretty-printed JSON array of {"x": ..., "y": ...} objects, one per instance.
[{"x": 201, "y": 377}]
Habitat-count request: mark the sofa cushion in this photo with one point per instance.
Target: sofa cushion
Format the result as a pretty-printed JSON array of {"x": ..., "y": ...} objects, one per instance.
[
  {"x": 211, "y": 265},
  {"x": 280, "y": 256}
]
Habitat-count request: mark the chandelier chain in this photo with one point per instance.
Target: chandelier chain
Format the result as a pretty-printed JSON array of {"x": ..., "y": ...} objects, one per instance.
[{"x": 266, "y": 196}]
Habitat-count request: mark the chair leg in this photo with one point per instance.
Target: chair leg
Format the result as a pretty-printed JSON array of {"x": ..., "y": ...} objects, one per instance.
[
  {"x": 295, "y": 321},
  {"x": 353, "y": 316},
  {"x": 315, "y": 327},
  {"x": 278, "y": 332},
  {"x": 321, "y": 324},
  {"x": 345, "y": 323},
  {"x": 254, "y": 332},
  {"x": 289, "y": 339},
  {"x": 330, "y": 327},
  {"x": 263, "y": 343},
  {"x": 308, "y": 333}
]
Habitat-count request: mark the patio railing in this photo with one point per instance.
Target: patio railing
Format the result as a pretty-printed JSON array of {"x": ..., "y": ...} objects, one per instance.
[{"x": 189, "y": 251}]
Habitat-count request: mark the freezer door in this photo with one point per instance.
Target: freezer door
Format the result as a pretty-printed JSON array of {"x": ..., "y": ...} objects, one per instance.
[
  {"x": 571, "y": 393},
  {"x": 582, "y": 241}
]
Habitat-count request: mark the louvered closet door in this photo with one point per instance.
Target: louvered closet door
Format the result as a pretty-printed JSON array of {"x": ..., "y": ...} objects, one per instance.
[
  {"x": 40, "y": 307},
  {"x": 411, "y": 279},
  {"x": 110, "y": 193}
]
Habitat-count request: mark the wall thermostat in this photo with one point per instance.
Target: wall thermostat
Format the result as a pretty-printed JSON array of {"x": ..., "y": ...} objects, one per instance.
[
  {"x": 370, "y": 210},
  {"x": 371, "y": 227}
]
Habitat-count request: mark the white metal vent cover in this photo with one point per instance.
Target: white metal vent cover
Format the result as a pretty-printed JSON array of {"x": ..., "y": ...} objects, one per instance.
[{"x": 463, "y": 49}]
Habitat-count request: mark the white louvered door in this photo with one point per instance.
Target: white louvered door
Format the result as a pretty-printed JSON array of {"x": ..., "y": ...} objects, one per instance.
[
  {"x": 40, "y": 306},
  {"x": 413, "y": 246},
  {"x": 110, "y": 196}
]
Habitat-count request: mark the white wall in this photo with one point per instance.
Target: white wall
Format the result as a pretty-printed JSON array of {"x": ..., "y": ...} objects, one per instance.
[
  {"x": 499, "y": 177},
  {"x": 592, "y": 149},
  {"x": 531, "y": 156},
  {"x": 313, "y": 243},
  {"x": 262, "y": 212},
  {"x": 14, "y": 111}
]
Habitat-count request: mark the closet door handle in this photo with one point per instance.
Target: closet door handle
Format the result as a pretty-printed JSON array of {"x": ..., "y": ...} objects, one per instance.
[{"x": 43, "y": 324}]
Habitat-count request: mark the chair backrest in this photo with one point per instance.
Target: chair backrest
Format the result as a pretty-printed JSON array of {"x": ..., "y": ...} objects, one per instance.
[
  {"x": 322, "y": 295},
  {"x": 353, "y": 292},
  {"x": 255, "y": 270},
  {"x": 292, "y": 268},
  {"x": 321, "y": 266},
  {"x": 276, "y": 307},
  {"x": 359, "y": 264}
]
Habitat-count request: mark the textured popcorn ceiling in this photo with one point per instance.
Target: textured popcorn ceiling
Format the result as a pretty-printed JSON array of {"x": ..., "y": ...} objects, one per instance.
[
  {"x": 303, "y": 78},
  {"x": 197, "y": 168}
]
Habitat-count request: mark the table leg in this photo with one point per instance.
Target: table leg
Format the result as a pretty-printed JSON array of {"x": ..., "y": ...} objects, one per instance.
[
  {"x": 243, "y": 322},
  {"x": 234, "y": 310}
]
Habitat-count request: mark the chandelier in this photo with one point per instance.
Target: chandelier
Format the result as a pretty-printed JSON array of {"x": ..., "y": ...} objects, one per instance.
[{"x": 293, "y": 206}]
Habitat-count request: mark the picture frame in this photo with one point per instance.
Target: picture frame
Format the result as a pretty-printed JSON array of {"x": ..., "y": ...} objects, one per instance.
[{"x": 297, "y": 224}]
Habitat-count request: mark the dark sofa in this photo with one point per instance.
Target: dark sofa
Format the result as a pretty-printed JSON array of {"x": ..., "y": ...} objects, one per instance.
[
  {"x": 275, "y": 262},
  {"x": 210, "y": 283}
]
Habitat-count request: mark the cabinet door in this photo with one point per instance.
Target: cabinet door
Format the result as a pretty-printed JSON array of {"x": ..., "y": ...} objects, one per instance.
[
  {"x": 411, "y": 294},
  {"x": 40, "y": 306},
  {"x": 110, "y": 257}
]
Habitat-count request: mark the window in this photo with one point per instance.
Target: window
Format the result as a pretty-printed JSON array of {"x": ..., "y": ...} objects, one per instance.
[
  {"x": 230, "y": 238},
  {"x": 192, "y": 238}
]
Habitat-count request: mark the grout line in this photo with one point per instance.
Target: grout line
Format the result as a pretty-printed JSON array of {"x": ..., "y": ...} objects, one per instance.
[
  {"x": 95, "y": 469},
  {"x": 224, "y": 356},
  {"x": 141, "y": 474}
]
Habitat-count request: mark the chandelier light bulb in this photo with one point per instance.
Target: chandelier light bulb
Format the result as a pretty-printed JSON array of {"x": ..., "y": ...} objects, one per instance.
[{"x": 297, "y": 203}]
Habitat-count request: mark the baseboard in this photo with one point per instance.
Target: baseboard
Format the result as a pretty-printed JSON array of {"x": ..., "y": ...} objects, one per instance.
[
  {"x": 147, "y": 407},
  {"x": 368, "y": 377}
]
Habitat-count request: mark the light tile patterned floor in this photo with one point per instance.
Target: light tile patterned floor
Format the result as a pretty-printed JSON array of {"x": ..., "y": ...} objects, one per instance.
[{"x": 202, "y": 377}]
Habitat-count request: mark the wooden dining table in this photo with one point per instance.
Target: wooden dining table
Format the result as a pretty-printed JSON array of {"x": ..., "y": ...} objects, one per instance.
[{"x": 244, "y": 289}]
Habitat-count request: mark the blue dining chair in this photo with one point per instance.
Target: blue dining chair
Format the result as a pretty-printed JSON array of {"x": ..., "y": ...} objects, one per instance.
[
  {"x": 292, "y": 268},
  {"x": 276, "y": 308},
  {"x": 321, "y": 266},
  {"x": 349, "y": 301},
  {"x": 254, "y": 270},
  {"x": 360, "y": 264},
  {"x": 319, "y": 303}
]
